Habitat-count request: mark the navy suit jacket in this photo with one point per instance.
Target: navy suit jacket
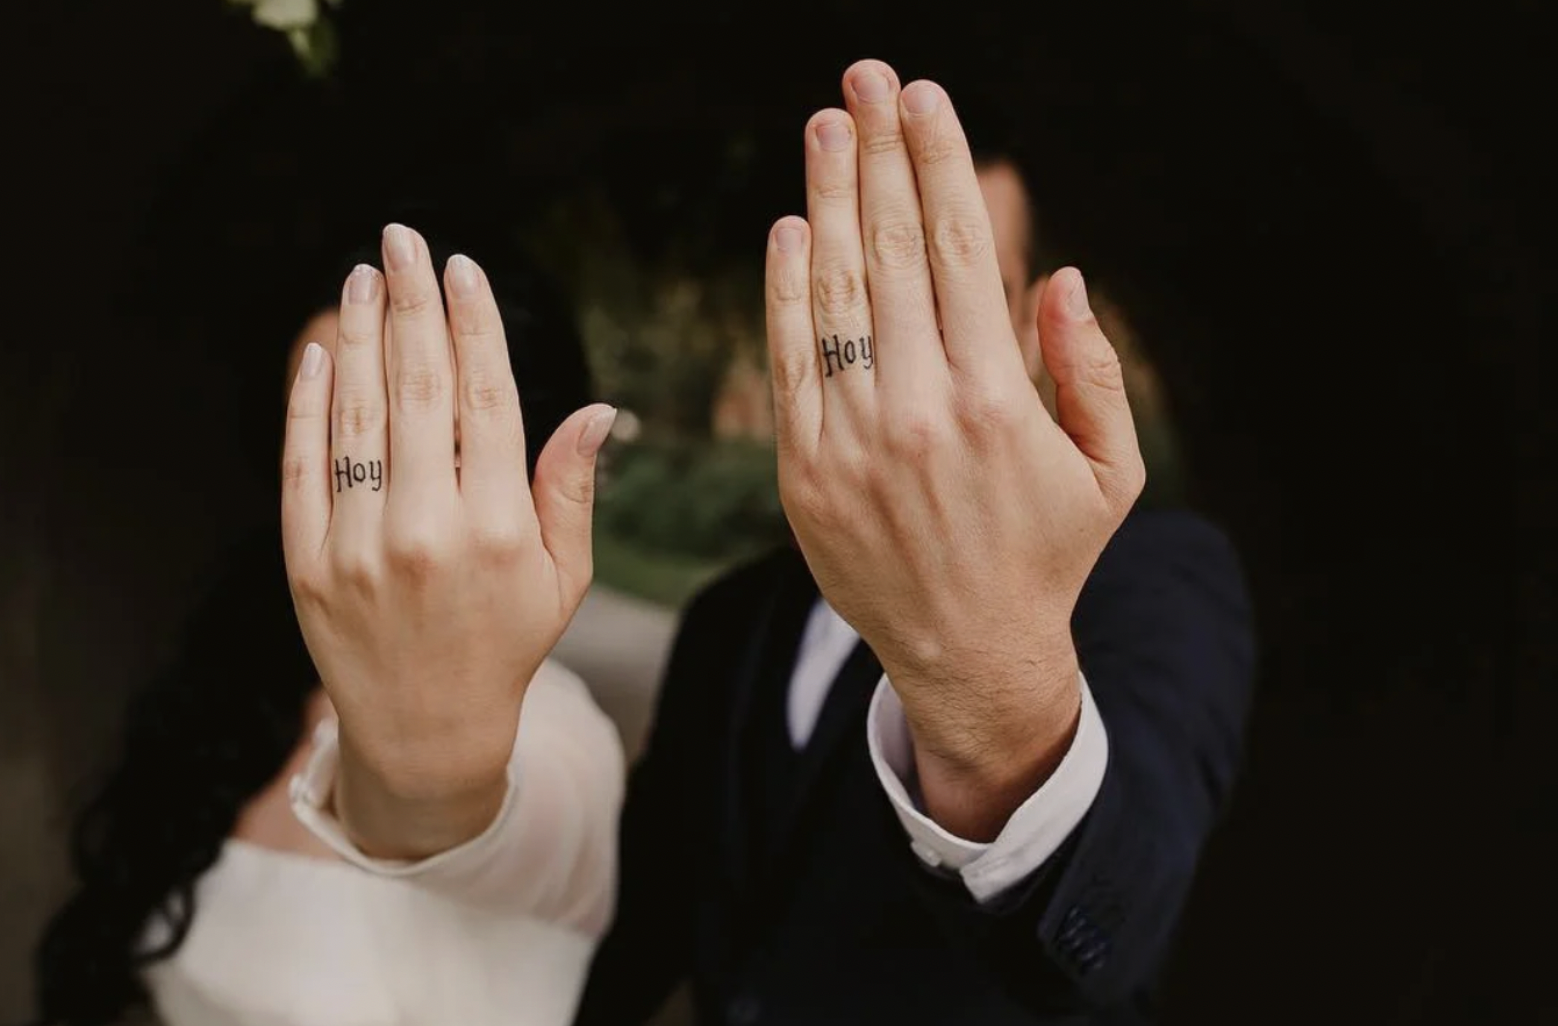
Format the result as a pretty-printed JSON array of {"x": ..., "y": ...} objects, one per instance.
[{"x": 832, "y": 919}]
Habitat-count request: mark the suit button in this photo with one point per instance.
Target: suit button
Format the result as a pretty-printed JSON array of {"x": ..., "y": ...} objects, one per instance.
[{"x": 744, "y": 1010}]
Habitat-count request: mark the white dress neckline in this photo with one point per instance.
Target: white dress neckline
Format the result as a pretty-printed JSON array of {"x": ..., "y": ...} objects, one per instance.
[{"x": 283, "y": 938}]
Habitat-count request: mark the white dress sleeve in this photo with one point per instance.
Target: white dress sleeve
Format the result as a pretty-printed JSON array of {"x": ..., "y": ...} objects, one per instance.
[{"x": 551, "y": 852}]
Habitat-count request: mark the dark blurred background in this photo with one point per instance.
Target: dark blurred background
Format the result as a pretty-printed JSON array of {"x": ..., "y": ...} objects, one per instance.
[{"x": 1328, "y": 225}]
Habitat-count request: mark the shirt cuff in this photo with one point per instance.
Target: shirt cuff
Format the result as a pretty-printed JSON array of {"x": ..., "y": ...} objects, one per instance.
[
  {"x": 311, "y": 792},
  {"x": 1033, "y": 833}
]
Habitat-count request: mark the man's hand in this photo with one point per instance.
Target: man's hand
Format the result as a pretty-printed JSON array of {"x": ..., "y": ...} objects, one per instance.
[
  {"x": 943, "y": 512},
  {"x": 429, "y": 585}
]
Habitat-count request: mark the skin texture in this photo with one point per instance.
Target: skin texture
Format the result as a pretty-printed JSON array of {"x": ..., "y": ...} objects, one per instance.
[{"x": 945, "y": 513}]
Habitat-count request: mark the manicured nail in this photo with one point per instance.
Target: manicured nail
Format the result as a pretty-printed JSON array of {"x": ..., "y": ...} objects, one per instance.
[
  {"x": 788, "y": 238},
  {"x": 921, "y": 98},
  {"x": 400, "y": 247},
  {"x": 313, "y": 360},
  {"x": 362, "y": 285},
  {"x": 833, "y": 135},
  {"x": 1076, "y": 295},
  {"x": 871, "y": 86},
  {"x": 463, "y": 278},
  {"x": 594, "y": 434}
]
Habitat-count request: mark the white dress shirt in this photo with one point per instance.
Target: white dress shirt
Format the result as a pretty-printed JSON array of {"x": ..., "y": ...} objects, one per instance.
[{"x": 1033, "y": 833}]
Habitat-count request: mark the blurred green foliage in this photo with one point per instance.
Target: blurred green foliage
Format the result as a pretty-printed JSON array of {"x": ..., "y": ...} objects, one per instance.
[{"x": 712, "y": 501}]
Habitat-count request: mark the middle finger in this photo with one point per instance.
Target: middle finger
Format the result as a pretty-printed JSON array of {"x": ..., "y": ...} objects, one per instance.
[
  {"x": 419, "y": 372},
  {"x": 902, "y": 295}
]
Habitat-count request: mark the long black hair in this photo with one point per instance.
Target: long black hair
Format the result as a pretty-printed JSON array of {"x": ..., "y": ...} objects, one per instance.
[{"x": 254, "y": 238}]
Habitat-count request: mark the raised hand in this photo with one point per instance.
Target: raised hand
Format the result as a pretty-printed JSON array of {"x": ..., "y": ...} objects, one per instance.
[
  {"x": 430, "y": 581},
  {"x": 944, "y": 513}
]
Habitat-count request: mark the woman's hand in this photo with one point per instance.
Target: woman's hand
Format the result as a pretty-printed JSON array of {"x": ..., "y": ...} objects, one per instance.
[{"x": 429, "y": 588}]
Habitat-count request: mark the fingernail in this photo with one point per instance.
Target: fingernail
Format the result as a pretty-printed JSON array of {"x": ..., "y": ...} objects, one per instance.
[
  {"x": 362, "y": 285},
  {"x": 594, "y": 434},
  {"x": 921, "y": 98},
  {"x": 400, "y": 247},
  {"x": 462, "y": 275},
  {"x": 788, "y": 238},
  {"x": 313, "y": 359},
  {"x": 1076, "y": 296},
  {"x": 833, "y": 135},
  {"x": 871, "y": 85}
]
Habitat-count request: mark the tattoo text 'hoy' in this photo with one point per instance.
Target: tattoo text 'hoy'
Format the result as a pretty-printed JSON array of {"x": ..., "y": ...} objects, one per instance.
[
  {"x": 847, "y": 353},
  {"x": 350, "y": 473}
]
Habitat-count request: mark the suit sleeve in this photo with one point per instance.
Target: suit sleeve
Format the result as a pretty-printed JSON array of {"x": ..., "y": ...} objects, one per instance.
[
  {"x": 648, "y": 950},
  {"x": 1164, "y": 637}
]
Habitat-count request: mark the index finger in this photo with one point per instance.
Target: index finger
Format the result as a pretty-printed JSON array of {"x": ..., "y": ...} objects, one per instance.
[
  {"x": 976, "y": 325},
  {"x": 492, "y": 432}
]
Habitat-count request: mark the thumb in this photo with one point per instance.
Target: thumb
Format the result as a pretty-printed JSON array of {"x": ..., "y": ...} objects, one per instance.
[
  {"x": 1090, "y": 401},
  {"x": 564, "y": 492}
]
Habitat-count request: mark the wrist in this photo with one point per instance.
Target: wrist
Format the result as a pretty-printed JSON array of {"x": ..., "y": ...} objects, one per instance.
[
  {"x": 403, "y": 814},
  {"x": 978, "y": 759}
]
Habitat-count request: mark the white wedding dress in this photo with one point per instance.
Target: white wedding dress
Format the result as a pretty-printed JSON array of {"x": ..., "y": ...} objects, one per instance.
[{"x": 484, "y": 935}]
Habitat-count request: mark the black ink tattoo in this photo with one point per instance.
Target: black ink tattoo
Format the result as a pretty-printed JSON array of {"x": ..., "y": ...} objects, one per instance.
[
  {"x": 847, "y": 353},
  {"x": 350, "y": 473}
]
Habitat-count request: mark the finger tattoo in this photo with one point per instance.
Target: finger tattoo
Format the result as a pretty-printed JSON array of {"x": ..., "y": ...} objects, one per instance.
[
  {"x": 350, "y": 473},
  {"x": 849, "y": 352}
]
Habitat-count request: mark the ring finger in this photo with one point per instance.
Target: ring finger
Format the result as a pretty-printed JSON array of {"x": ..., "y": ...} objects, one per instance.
[
  {"x": 359, "y": 436},
  {"x": 840, "y": 308}
]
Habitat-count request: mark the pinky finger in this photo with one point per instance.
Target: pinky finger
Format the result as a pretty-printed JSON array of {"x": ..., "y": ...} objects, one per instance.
[
  {"x": 305, "y": 459},
  {"x": 792, "y": 352}
]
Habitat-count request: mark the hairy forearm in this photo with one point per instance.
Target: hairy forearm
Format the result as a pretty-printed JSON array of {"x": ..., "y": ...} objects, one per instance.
[
  {"x": 391, "y": 820},
  {"x": 978, "y": 763}
]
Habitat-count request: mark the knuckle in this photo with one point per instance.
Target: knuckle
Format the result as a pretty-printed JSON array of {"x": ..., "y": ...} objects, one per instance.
[
  {"x": 419, "y": 554},
  {"x": 914, "y": 437},
  {"x": 355, "y": 336},
  {"x": 302, "y": 409},
  {"x": 789, "y": 377},
  {"x": 577, "y": 489},
  {"x": 354, "y": 569},
  {"x": 801, "y": 499},
  {"x": 839, "y": 290},
  {"x": 899, "y": 242},
  {"x": 932, "y": 148},
  {"x": 988, "y": 414},
  {"x": 413, "y": 300},
  {"x": 297, "y": 471},
  {"x": 502, "y": 542},
  {"x": 882, "y": 140},
  {"x": 960, "y": 238},
  {"x": 835, "y": 189},
  {"x": 357, "y": 416},
  {"x": 485, "y": 391},
  {"x": 788, "y": 285},
  {"x": 307, "y": 585},
  {"x": 419, "y": 385},
  {"x": 1100, "y": 368}
]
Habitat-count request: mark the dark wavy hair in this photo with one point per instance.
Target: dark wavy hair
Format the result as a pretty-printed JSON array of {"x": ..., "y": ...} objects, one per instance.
[
  {"x": 219, "y": 723},
  {"x": 266, "y": 208}
]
